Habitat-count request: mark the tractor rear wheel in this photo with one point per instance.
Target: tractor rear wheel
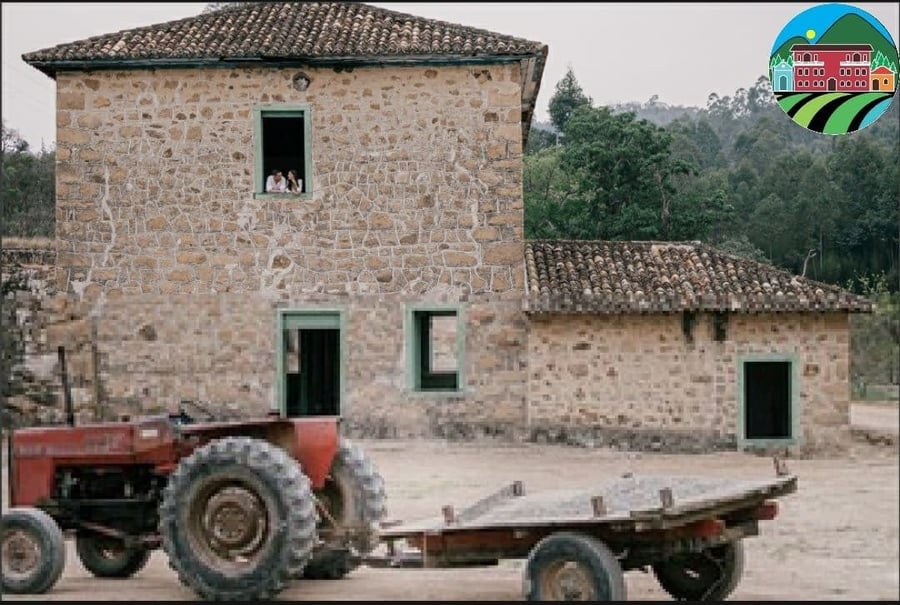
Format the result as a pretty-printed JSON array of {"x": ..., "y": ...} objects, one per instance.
[
  {"x": 33, "y": 551},
  {"x": 107, "y": 557},
  {"x": 710, "y": 575},
  {"x": 238, "y": 520},
  {"x": 354, "y": 499}
]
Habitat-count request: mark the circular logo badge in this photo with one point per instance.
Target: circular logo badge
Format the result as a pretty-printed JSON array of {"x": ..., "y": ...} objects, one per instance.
[{"x": 833, "y": 69}]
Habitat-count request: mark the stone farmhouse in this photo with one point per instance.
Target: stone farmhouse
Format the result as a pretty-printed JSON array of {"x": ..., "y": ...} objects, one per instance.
[
  {"x": 396, "y": 288},
  {"x": 679, "y": 346}
]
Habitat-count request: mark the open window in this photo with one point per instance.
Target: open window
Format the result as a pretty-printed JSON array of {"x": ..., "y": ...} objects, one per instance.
[
  {"x": 435, "y": 350},
  {"x": 283, "y": 142}
]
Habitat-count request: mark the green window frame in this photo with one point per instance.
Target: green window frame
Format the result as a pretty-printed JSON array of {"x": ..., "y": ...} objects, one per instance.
[
  {"x": 420, "y": 377},
  {"x": 261, "y": 112},
  {"x": 796, "y": 437}
]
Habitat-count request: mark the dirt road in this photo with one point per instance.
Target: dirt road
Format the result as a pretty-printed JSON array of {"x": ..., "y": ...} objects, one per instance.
[
  {"x": 877, "y": 418},
  {"x": 837, "y": 538}
]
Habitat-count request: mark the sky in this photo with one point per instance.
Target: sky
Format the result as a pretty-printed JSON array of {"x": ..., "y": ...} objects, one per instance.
[{"x": 619, "y": 52}]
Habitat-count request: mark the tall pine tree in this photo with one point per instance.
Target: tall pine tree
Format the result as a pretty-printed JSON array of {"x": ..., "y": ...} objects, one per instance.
[{"x": 568, "y": 97}]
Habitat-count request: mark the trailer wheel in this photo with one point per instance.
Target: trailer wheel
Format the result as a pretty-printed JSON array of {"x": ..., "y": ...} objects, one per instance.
[
  {"x": 107, "y": 557},
  {"x": 354, "y": 497},
  {"x": 238, "y": 520},
  {"x": 573, "y": 567},
  {"x": 33, "y": 551},
  {"x": 710, "y": 575}
]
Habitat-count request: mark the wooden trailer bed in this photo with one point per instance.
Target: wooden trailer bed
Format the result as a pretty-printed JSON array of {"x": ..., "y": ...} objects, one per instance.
[{"x": 663, "y": 522}]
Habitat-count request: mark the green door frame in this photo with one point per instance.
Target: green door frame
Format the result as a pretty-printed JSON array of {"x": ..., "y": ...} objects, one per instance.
[
  {"x": 796, "y": 437},
  {"x": 292, "y": 319}
]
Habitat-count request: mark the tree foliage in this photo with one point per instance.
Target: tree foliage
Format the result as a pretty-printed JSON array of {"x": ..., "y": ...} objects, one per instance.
[
  {"x": 738, "y": 174},
  {"x": 623, "y": 175},
  {"x": 881, "y": 60},
  {"x": 567, "y": 97},
  {"x": 27, "y": 182}
]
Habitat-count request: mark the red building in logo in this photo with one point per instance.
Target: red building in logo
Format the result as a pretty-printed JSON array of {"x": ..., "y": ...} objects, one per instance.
[{"x": 831, "y": 67}]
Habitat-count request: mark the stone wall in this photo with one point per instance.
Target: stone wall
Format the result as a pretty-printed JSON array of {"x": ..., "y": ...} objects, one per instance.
[
  {"x": 634, "y": 380},
  {"x": 417, "y": 183},
  {"x": 417, "y": 197},
  {"x": 220, "y": 350},
  {"x": 36, "y": 321}
]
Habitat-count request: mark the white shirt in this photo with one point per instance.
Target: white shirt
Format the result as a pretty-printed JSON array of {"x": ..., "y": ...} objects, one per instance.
[{"x": 273, "y": 187}]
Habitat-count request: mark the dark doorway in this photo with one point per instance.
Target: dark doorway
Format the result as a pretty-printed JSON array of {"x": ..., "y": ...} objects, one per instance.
[
  {"x": 767, "y": 400},
  {"x": 832, "y": 84},
  {"x": 782, "y": 83},
  {"x": 312, "y": 372},
  {"x": 875, "y": 84}
]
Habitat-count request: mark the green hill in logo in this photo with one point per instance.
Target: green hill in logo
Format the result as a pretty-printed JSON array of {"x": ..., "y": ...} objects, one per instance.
[
  {"x": 849, "y": 29},
  {"x": 853, "y": 29}
]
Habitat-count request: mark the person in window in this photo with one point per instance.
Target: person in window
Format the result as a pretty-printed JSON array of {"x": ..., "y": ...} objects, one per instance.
[
  {"x": 294, "y": 184},
  {"x": 276, "y": 183}
]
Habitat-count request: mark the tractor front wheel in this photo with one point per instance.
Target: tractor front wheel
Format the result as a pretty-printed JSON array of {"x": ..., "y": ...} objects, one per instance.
[
  {"x": 33, "y": 551},
  {"x": 238, "y": 520},
  {"x": 107, "y": 557}
]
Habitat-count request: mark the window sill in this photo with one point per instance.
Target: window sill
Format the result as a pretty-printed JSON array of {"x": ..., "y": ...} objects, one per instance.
[
  {"x": 282, "y": 196},
  {"x": 769, "y": 443},
  {"x": 437, "y": 394}
]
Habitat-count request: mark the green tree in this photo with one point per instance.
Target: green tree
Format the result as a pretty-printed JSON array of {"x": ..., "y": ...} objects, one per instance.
[
  {"x": 539, "y": 138},
  {"x": 27, "y": 183},
  {"x": 865, "y": 173},
  {"x": 546, "y": 188},
  {"x": 875, "y": 337},
  {"x": 623, "y": 172},
  {"x": 566, "y": 99}
]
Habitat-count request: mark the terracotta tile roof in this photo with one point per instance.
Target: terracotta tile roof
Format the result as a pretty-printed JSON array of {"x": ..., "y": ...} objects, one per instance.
[
  {"x": 626, "y": 277},
  {"x": 285, "y": 30},
  {"x": 309, "y": 33}
]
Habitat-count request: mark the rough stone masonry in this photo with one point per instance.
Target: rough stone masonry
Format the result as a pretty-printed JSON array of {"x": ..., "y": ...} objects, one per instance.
[{"x": 417, "y": 197}]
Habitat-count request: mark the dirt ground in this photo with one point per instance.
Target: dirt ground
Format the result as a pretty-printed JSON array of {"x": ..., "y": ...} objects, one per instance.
[
  {"x": 880, "y": 419},
  {"x": 836, "y": 538}
]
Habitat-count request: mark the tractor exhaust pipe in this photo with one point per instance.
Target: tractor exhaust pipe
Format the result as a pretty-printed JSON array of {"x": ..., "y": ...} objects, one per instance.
[{"x": 67, "y": 392}]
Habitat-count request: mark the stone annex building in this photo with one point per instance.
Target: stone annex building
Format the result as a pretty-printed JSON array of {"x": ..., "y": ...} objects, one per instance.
[{"x": 396, "y": 289}]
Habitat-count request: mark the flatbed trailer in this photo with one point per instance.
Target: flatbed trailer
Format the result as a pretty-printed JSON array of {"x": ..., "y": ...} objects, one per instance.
[{"x": 579, "y": 543}]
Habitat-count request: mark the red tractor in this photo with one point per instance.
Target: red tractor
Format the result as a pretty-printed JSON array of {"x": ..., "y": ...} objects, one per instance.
[{"x": 241, "y": 508}]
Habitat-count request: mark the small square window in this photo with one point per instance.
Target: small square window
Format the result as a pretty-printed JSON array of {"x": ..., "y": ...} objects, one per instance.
[
  {"x": 434, "y": 349},
  {"x": 283, "y": 144}
]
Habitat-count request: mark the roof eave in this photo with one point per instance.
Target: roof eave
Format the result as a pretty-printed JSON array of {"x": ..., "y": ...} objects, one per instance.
[
  {"x": 567, "y": 305},
  {"x": 52, "y": 67},
  {"x": 531, "y": 87}
]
